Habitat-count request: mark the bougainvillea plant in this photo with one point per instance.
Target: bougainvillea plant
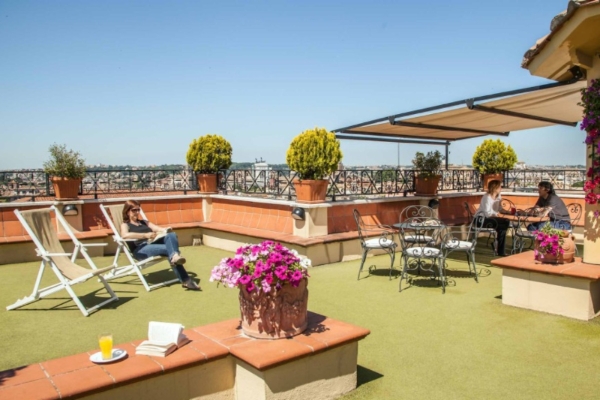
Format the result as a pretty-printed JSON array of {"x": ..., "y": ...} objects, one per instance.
[
  {"x": 550, "y": 241},
  {"x": 590, "y": 101},
  {"x": 265, "y": 266}
]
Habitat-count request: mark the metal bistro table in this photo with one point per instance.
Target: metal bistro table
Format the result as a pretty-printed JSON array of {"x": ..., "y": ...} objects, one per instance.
[
  {"x": 413, "y": 245},
  {"x": 520, "y": 234}
]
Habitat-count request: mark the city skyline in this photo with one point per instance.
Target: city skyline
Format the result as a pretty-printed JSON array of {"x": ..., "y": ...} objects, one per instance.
[{"x": 142, "y": 79}]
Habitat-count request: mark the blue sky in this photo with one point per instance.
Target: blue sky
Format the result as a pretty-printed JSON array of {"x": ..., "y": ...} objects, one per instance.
[{"x": 133, "y": 82}]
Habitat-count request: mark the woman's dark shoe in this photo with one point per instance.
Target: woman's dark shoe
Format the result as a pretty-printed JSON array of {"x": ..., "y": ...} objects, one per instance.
[{"x": 190, "y": 285}]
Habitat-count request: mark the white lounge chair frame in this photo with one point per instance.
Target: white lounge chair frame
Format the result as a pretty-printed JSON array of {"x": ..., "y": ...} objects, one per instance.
[
  {"x": 38, "y": 225},
  {"x": 114, "y": 217}
]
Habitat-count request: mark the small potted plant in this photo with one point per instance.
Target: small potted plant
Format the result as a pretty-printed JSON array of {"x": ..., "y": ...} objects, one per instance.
[
  {"x": 66, "y": 169},
  {"x": 492, "y": 158},
  {"x": 272, "y": 281},
  {"x": 206, "y": 156},
  {"x": 313, "y": 154},
  {"x": 427, "y": 167},
  {"x": 553, "y": 246}
]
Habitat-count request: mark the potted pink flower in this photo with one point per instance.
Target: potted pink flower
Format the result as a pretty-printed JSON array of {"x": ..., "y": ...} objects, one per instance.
[
  {"x": 272, "y": 281},
  {"x": 553, "y": 245}
]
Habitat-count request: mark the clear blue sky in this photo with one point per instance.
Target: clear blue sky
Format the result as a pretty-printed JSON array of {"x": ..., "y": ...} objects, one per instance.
[{"x": 133, "y": 82}]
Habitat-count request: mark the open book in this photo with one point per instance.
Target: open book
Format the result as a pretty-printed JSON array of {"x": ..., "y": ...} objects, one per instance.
[
  {"x": 163, "y": 339},
  {"x": 160, "y": 235}
]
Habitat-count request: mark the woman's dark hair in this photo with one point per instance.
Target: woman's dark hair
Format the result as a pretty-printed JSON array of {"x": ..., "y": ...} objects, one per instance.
[
  {"x": 547, "y": 185},
  {"x": 493, "y": 185},
  {"x": 129, "y": 204}
]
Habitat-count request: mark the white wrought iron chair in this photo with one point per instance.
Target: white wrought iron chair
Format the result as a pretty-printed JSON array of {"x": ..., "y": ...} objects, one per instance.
[
  {"x": 414, "y": 214},
  {"x": 417, "y": 257},
  {"x": 114, "y": 217},
  {"x": 452, "y": 242},
  {"x": 38, "y": 224},
  {"x": 384, "y": 241}
]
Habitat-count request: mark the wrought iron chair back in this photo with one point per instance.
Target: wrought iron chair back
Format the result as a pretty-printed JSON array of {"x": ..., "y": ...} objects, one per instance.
[
  {"x": 423, "y": 256},
  {"x": 422, "y": 212},
  {"x": 522, "y": 236},
  {"x": 575, "y": 212},
  {"x": 452, "y": 241},
  {"x": 375, "y": 237}
]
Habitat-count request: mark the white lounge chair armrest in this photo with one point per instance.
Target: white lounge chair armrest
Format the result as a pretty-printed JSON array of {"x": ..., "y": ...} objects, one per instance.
[
  {"x": 94, "y": 244},
  {"x": 57, "y": 254}
]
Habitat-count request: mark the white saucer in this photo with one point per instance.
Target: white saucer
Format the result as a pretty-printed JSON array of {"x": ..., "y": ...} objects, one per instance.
[{"x": 117, "y": 354}]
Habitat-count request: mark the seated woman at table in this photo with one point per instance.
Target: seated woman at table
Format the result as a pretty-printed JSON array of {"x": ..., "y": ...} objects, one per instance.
[
  {"x": 490, "y": 207},
  {"x": 559, "y": 215},
  {"x": 134, "y": 227}
]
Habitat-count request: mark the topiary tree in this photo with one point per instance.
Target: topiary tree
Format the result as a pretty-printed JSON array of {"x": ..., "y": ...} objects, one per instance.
[
  {"x": 208, "y": 154},
  {"x": 64, "y": 163},
  {"x": 493, "y": 157},
  {"x": 314, "y": 154},
  {"x": 428, "y": 164}
]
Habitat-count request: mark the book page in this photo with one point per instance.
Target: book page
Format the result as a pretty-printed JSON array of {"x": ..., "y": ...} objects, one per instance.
[
  {"x": 164, "y": 332},
  {"x": 160, "y": 235}
]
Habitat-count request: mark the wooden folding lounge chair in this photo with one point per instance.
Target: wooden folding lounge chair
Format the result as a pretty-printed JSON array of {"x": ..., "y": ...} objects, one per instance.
[
  {"x": 38, "y": 225},
  {"x": 114, "y": 217}
]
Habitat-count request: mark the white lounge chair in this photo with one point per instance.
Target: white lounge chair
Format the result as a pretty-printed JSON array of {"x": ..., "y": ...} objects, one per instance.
[
  {"x": 38, "y": 225},
  {"x": 114, "y": 217}
]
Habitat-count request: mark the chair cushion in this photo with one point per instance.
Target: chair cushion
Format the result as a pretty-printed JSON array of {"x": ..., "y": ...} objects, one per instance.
[
  {"x": 379, "y": 243},
  {"x": 422, "y": 252},
  {"x": 458, "y": 244}
]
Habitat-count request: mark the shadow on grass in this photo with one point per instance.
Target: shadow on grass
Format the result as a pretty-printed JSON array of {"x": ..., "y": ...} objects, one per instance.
[
  {"x": 67, "y": 303},
  {"x": 365, "y": 375},
  {"x": 382, "y": 272}
]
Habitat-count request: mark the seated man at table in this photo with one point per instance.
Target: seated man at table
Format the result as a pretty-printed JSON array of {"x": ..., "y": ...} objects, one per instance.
[{"x": 559, "y": 215}]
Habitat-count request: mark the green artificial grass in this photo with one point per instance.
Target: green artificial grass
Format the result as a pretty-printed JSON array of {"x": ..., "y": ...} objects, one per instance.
[{"x": 423, "y": 345}]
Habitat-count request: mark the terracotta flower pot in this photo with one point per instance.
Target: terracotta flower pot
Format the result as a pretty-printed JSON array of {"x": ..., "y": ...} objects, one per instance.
[
  {"x": 277, "y": 314},
  {"x": 66, "y": 188},
  {"x": 568, "y": 247},
  {"x": 427, "y": 186},
  {"x": 492, "y": 177},
  {"x": 310, "y": 191},
  {"x": 207, "y": 183}
]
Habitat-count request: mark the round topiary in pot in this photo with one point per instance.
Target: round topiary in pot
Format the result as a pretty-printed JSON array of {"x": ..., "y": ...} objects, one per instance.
[
  {"x": 67, "y": 169},
  {"x": 313, "y": 154},
  {"x": 492, "y": 158},
  {"x": 427, "y": 167},
  {"x": 206, "y": 156}
]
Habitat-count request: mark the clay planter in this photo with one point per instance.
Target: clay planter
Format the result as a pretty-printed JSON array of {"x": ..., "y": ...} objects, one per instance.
[
  {"x": 427, "y": 186},
  {"x": 568, "y": 255},
  {"x": 207, "y": 183},
  {"x": 491, "y": 177},
  {"x": 278, "y": 314},
  {"x": 66, "y": 188},
  {"x": 310, "y": 191}
]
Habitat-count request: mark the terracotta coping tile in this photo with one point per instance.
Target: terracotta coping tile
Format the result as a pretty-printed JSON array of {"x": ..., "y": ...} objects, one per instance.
[
  {"x": 82, "y": 381},
  {"x": 16, "y": 376},
  {"x": 133, "y": 367},
  {"x": 263, "y": 354},
  {"x": 67, "y": 364},
  {"x": 525, "y": 262},
  {"x": 185, "y": 356},
  {"x": 322, "y": 332},
  {"x": 234, "y": 341},
  {"x": 220, "y": 330},
  {"x": 41, "y": 389},
  {"x": 208, "y": 347}
]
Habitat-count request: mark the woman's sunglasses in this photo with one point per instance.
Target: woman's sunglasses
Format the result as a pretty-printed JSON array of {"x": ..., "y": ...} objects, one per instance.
[{"x": 135, "y": 210}]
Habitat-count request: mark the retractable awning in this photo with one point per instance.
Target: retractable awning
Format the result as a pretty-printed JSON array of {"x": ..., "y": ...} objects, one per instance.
[{"x": 534, "y": 107}]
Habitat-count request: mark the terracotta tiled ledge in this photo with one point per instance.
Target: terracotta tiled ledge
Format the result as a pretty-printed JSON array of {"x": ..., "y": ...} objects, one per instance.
[
  {"x": 571, "y": 290},
  {"x": 525, "y": 262},
  {"x": 76, "y": 376}
]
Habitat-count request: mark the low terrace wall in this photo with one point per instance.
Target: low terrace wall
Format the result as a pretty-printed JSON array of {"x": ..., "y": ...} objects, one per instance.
[{"x": 328, "y": 234}]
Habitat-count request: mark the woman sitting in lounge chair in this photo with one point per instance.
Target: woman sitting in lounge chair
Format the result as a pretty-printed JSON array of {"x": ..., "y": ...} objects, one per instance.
[
  {"x": 490, "y": 207},
  {"x": 134, "y": 227}
]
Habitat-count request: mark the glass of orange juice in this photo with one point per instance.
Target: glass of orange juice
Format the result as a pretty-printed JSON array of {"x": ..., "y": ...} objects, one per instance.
[{"x": 106, "y": 343}]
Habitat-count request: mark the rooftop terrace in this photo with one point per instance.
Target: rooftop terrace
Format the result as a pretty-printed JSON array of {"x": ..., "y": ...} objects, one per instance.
[{"x": 464, "y": 344}]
